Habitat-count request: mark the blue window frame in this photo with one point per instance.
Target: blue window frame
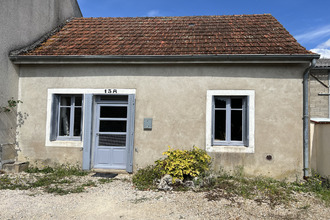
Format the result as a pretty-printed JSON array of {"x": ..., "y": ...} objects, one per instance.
[
  {"x": 229, "y": 120},
  {"x": 66, "y": 117}
]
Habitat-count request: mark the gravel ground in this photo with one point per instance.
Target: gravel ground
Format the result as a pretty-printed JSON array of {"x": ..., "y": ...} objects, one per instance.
[{"x": 120, "y": 200}]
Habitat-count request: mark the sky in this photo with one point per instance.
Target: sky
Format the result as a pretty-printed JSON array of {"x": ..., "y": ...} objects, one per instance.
[{"x": 308, "y": 21}]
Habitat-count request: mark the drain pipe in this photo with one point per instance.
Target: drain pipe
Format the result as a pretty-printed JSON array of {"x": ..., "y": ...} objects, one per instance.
[{"x": 306, "y": 118}]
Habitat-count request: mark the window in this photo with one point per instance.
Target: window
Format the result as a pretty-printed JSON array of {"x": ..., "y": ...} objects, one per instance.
[
  {"x": 66, "y": 117},
  {"x": 230, "y": 121}
]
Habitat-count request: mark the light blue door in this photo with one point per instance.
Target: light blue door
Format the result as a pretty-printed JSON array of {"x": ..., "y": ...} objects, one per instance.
[{"x": 113, "y": 132}]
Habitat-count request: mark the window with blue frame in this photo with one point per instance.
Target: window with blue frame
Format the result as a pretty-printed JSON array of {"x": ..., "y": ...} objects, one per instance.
[
  {"x": 229, "y": 121},
  {"x": 66, "y": 117}
]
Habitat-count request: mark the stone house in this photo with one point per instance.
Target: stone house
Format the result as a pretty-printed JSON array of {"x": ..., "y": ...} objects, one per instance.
[
  {"x": 22, "y": 22},
  {"x": 113, "y": 93}
]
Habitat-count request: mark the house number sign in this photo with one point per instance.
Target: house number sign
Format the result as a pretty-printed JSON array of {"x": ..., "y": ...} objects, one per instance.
[{"x": 109, "y": 91}]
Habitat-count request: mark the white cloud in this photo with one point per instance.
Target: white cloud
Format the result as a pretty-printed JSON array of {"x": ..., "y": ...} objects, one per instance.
[
  {"x": 325, "y": 44},
  {"x": 314, "y": 34},
  {"x": 153, "y": 13},
  {"x": 323, "y": 49},
  {"x": 325, "y": 53}
]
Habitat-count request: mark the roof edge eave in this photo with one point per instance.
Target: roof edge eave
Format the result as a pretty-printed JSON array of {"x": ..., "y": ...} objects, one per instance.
[{"x": 163, "y": 59}]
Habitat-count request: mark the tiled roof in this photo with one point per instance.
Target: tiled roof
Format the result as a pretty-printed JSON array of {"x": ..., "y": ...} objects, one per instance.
[
  {"x": 323, "y": 63},
  {"x": 191, "y": 35}
]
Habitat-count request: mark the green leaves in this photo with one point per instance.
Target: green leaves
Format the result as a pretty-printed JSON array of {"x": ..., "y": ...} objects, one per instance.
[
  {"x": 12, "y": 103},
  {"x": 144, "y": 178},
  {"x": 181, "y": 164}
]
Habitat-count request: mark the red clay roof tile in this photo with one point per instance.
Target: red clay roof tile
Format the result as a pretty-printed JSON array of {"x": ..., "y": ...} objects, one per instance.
[{"x": 191, "y": 35}]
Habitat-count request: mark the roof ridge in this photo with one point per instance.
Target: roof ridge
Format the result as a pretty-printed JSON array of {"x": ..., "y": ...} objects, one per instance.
[{"x": 187, "y": 16}]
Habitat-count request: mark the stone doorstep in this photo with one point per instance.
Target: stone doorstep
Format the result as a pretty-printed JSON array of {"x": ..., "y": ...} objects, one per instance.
[
  {"x": 109, "y": 171},
  {"x": 15, "y": 167}
]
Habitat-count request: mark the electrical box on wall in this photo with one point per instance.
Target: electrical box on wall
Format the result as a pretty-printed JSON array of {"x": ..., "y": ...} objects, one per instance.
[{"x": 147, "y": 124}]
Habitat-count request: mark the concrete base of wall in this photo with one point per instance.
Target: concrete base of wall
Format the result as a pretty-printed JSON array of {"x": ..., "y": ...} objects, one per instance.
[
  {"x": 15, "y": 167},
  {"x": 8, "y": 153}
]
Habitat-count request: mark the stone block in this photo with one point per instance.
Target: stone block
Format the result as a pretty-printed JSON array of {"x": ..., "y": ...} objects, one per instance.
[{"x": 15, "y": 167}]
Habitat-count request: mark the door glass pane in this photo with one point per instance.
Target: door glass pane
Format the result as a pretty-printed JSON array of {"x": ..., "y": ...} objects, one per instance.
[
  {"x": 115, "y": 98},
  {"x": 113, "y": 112},
  {"x": 77, "y": 122},
  {"x": 220, "y": 125},
  {"x": 219, "y": 103},
  {"x": 236, "y": 125},
  {"x": 64, "y": 126},
  {"x": 112, "y": 126},
  {"x": 112, "y": 140}
]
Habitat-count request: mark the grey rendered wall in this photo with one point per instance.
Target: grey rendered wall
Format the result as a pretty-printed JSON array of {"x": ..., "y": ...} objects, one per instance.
[
  {"x": 22, "y": 22},
  {"x": 319, "y": 105},
  {"x": 175, "y": 97}
]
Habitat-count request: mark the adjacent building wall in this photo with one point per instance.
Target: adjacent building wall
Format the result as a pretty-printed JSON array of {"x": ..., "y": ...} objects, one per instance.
[
  {"x": 21, "y": 23},
  {"x": 319, "y": 105},
  {"x": 320, "y": 148},
  {"x": 174, "y": 96}
]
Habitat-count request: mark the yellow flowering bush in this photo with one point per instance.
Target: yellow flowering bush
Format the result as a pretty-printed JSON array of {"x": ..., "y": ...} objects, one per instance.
[{"x": 181, "y": 164}]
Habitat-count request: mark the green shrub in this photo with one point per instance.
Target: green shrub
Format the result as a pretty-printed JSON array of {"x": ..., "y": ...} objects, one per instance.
[
  {"x": 144, "y": 178},
  {"x": 181, "y": 164}
]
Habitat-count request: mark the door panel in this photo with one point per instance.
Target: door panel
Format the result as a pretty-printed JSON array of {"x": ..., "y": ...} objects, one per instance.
[
  {"x": 112, "y": 140},
  {"x": 120, "y": 156},
  {"x": 103, "y": 155},
  {"x": 111, "y": 136}
]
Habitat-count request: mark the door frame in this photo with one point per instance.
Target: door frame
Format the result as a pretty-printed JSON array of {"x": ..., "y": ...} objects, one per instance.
[{"x": 88, "y": 123}]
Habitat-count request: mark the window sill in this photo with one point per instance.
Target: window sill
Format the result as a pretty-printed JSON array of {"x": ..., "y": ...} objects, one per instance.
[
  {"x": 62, "y": 143},
  {"x": 230, "y": 149}
]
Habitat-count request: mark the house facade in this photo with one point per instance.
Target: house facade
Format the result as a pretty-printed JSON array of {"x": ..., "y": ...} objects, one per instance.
[
  {"x": 114, "y": 93},
  {"x": 320, "y": 117},
  {"x": 23, "y": 22}
]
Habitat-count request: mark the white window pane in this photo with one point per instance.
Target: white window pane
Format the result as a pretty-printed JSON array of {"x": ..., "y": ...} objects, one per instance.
[
  {"x": 236, "y": 125},
  {"x": 64, "y": 125},
  {"x": 78, "y": 100},
  {"x": 220, "y": 102},
  {"x": 77, "y": 122},
  {"x": 220, "y": 125},
  {"x": 236, "y": 103},
  {"x": 65, "y": 101}
]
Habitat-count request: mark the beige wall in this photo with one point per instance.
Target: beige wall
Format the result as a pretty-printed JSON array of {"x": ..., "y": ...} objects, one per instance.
[
  {"x": 320, "y": 148},
  {"x": 175, "y": 97},
  {"x": 22, "y": 22}
]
